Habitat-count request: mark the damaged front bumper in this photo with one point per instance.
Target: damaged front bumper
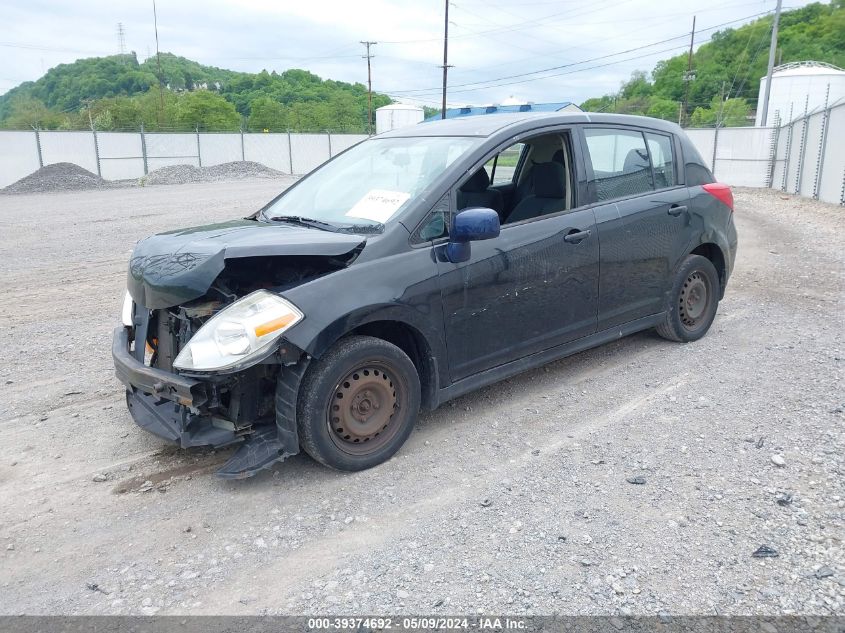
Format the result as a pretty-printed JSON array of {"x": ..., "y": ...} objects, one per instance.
[{"x": 175, "y": 408}]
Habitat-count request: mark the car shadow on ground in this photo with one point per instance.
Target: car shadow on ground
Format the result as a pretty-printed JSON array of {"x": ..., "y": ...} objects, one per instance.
[{"x": 482, "y": 403}]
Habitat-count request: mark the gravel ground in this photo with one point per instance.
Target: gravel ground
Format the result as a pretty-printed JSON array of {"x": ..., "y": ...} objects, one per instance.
[
  {"x": 513, "y": 499},
  {"x": 70, "y": 177}
]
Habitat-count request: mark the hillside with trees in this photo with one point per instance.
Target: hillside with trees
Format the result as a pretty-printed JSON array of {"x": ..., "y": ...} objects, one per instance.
[
  {"x": 119, "y": 93},
  {"x": 728, "y": 68}
]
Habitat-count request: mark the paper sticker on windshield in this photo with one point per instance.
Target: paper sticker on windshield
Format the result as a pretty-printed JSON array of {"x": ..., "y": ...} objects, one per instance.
[{"x": 378, "y": 205}]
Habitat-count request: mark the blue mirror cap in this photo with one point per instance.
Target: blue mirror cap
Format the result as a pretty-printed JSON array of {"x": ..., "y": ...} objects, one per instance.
[{"x": 476, "y": 223}]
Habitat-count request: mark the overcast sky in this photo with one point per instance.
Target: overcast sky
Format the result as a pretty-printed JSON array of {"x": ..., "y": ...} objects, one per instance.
[{"x": 495, "y": 46}]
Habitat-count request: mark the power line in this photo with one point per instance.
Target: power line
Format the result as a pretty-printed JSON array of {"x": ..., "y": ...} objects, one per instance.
[
  {"x": 652, "y": 23},
  {"x": 569, "y": 72},
  {"x": 568, "y": 65},
  {"x": 751, "y": 63},
  {"x": 52, "y": 49},
  {"x": 515, "y": 27}
]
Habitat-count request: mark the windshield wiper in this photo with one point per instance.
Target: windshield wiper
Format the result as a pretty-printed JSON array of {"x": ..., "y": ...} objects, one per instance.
[
  {"x": 301, "y": 221},
  {"x": 361, "y": 228}
]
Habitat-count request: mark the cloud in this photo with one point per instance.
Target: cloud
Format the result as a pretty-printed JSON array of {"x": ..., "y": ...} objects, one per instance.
[{"x": 489, "y": 39}]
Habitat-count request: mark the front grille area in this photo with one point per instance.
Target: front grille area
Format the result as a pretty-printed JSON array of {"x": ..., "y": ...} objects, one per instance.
[
  {"x": 243, "y": 399},
  {"x": 164, "y": 341}
]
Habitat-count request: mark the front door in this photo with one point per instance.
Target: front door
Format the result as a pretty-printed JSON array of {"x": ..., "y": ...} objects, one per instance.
[
  {"x": 523, "y": 292},
  {"x": 536, "y": 285}
]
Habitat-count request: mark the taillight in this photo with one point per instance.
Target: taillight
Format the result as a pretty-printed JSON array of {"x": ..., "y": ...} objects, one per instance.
[{"x": 721, "y": 192}]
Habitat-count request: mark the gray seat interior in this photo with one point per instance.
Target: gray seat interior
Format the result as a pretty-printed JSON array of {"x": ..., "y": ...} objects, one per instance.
[{"x": 548, "y": 196}]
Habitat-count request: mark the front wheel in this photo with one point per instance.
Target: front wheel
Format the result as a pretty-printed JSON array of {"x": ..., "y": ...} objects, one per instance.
[
  {"x": 692, "y": 301},
  {"x": 358, "y": 404}
]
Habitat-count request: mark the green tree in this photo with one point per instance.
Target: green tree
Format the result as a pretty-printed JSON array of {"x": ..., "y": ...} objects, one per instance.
[
  {"x": 599, "y": 104},
  {"x": 26, "y": 111},
  {"x": 637, "y": 86},
  {"x": 661, "y": 108},
  {"x": 207, "y": 111},
  {"x": 265, "y": 113},
  {"x": 730, "y": 113}
]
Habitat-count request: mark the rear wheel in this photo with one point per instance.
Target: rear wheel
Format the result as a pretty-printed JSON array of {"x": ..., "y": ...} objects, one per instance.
[
  {"x": 358, "y": 404},
  {"x": 692, "y": 301}
]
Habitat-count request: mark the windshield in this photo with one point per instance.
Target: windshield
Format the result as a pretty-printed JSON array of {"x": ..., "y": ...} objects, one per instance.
[{"x": 371, "y": 183}]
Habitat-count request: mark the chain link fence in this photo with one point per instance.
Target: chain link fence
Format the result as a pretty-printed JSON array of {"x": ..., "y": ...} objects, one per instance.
[
  {"x": 804, "y": 155},
  {"x": 126, "y": 155}
]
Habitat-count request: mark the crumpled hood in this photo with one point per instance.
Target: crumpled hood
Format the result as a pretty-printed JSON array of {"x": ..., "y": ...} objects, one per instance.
[{"x": 175, "y": 267}]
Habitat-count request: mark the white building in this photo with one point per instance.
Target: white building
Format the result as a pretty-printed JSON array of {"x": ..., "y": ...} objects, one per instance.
[
  {"x": 799, "y": 83},
  {"x": 396, "y": 115}
]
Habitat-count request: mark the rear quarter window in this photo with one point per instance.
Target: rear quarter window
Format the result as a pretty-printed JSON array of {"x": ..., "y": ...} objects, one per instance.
[{"x": 661, "y": 150}]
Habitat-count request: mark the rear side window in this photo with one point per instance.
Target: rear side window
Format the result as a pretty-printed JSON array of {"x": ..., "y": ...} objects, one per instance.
[
  {"x": 620, "y": 162},
  {"x": 662, "y": 157}
]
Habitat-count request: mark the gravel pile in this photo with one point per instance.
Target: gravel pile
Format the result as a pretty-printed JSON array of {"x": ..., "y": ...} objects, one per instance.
[
  {"x": 181, "y": 174},
  {"x": 238, "y": 170},
  {"x": 57, "y": 177},
  {"x": 71, "y": 177}
]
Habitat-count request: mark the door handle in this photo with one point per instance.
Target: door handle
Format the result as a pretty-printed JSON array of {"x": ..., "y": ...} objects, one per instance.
[
  {"x": 677, "y": 209},
  {"x": 575, "y": 236}
]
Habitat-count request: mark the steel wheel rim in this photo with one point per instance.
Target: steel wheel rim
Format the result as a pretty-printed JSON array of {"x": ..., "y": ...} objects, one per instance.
[
  {"x": 694, "y": 300},
  {"x": 364, "y": 407}
]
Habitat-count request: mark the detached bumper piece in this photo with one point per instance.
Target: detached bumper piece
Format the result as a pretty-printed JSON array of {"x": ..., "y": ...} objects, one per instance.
[
  {"x": 164, "y": 404},
  {"x": 176, "y": 423}
]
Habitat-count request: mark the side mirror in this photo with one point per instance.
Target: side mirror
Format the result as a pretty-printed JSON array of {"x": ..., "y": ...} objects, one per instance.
[{"x": 470, "y": 225}]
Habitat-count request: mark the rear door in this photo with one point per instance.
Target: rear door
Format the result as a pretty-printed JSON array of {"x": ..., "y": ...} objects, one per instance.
[{"x": 642, "y": 218}]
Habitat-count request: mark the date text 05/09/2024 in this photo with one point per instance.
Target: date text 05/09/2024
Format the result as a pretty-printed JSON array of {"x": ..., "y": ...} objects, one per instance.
[{"x": 417, "y": 623}]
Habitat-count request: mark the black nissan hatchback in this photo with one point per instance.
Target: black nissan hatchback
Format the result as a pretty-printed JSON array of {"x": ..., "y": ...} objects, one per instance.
[{"x": 414, "y": 267}]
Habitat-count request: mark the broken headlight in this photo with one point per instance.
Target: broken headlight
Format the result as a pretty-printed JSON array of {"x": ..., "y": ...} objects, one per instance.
[{"x": 244, "y": 330}]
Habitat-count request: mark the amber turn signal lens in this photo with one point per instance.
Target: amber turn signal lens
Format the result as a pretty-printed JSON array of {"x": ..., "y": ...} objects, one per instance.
[{"x": 275, "y": 324}]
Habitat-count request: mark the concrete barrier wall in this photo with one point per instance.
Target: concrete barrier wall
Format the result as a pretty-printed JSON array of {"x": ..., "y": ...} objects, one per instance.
[
  {"x": 18, "y": 156},
  {"x": 804, "y": 156},
  {"x": 125, "y": 155}
]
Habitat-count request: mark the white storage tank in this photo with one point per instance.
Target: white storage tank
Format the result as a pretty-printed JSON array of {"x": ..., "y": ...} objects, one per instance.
[
  {"x": 396, "y": 115},
  {"x": 797, "y": 83}
]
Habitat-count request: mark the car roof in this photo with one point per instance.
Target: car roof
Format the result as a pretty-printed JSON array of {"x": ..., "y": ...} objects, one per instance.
[{"x": 490, "y": 124}]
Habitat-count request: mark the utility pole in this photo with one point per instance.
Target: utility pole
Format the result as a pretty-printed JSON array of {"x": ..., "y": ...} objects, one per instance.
[
  {"x": 368, "y": 57},
  {"x": 688, "y": 76},
  {"x": 158, "y": 63},
  {"x": 772, "y": 49},
  {"x": 445, "y": 58}
]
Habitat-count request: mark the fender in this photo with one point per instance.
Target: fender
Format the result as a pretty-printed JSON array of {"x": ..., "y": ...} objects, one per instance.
[{"x": 338, "y": 303}]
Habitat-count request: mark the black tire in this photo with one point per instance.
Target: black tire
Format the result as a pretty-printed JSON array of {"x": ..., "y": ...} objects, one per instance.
[
  {"x": 693, "y": 301},
  {"x": 357, "y": 404}
]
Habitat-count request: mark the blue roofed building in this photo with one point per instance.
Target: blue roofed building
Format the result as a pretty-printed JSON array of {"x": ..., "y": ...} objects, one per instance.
[{"x": 455, "y": 113}]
